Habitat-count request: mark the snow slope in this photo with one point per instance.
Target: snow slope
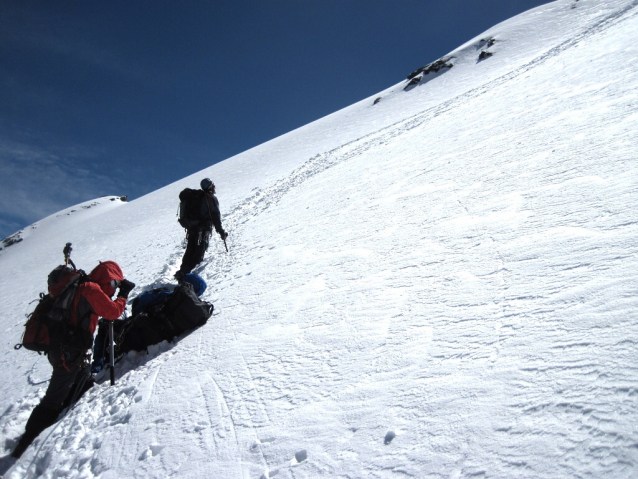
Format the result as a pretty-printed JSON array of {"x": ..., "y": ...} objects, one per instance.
[{"x": 441, "y": 284}]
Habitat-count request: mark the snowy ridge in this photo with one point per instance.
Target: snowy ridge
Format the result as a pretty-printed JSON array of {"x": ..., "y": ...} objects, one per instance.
[
  {"x": 439, "y": 285},
  {"x": 96, "y": 207}
]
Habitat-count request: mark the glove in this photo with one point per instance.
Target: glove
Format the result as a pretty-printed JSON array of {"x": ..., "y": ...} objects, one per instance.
[
  {"x": 223, "y": 235},
  {"x": 125, "y": 288}
]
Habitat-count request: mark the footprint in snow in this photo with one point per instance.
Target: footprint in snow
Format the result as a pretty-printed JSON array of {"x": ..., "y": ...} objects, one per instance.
[
  {"x": 151, "y": 451},
  {"x": 255, "y": 445},
  {"x": 11, "y": 443},
  {"x": 388, "y": 437},
  {"x": 269, "y": 474},
  {"x": 301, "y": 456}
]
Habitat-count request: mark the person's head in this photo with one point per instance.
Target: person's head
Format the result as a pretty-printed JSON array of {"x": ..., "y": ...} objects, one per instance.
[
  {"x": 207, "y": 185},
  {"x": 107, "y": 275}
]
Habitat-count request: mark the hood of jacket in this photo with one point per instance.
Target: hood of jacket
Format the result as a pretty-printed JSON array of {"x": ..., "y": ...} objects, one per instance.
[{"x": 104, "y": 273}]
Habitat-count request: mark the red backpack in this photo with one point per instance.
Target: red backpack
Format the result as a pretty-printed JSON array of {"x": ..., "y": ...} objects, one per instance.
[{"x": 48, "y": 327}]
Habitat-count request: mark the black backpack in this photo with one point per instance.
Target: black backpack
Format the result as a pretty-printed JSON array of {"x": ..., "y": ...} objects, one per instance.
[
  {"x": 189, "y": 204},
  {"x": 171, "y": 316},
  {"x": 47, "y": 327},
  {"x": 185, "y": 311}
]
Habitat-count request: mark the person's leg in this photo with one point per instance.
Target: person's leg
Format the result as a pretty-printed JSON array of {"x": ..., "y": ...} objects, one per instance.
[
  {"x": 83, "y": 382},
  {"x": 41, "y": 418},
  {"x": 187, "y": 259},
  {"x": 62, "y": 380},
  {"x": 194, "y": 254},
  {"x": 201, "y": 250},
  {"x": 46, "y": 413}
]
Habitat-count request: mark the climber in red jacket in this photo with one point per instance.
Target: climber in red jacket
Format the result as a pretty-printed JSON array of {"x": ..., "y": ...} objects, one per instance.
[{"x": 70, "y": 364}]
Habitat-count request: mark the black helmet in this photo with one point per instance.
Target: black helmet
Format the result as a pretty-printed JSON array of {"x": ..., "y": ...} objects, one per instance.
[{"x": 207, "y": 184}]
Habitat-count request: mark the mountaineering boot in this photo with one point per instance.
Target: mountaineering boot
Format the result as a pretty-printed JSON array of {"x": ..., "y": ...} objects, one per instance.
[{"x": 41, "y": 418}]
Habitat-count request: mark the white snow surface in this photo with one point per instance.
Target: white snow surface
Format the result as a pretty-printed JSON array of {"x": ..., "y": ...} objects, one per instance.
[{"x": 441, "y": 284}]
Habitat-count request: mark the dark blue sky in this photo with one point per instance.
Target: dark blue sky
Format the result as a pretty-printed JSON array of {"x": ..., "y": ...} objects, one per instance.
[{"x": 123, "y": 97}]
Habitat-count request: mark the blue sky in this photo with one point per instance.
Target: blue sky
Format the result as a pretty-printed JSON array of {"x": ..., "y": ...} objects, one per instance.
[{"x": 122, "y": 97}]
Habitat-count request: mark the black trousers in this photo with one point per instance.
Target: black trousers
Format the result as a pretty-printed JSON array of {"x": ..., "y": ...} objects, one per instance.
[
  {"x": 195, "y": 250},
  {"x": 63, "y": 378},
  {"x": 68, "y": 371}
]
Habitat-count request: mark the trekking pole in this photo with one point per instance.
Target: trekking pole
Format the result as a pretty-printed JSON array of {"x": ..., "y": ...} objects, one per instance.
[
  {"x": 225, "y": 245},
  {"x": 112, "y": 359}
]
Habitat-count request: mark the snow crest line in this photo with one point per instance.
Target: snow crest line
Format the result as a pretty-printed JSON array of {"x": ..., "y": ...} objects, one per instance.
[{"x": 263, "y": 199}]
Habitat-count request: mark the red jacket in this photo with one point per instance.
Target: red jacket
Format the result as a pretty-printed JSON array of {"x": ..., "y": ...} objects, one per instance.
[{"x": 93, "y": 299}]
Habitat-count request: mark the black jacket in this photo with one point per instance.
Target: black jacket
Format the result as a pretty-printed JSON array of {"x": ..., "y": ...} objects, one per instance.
[{"x": 209, "y": 214}]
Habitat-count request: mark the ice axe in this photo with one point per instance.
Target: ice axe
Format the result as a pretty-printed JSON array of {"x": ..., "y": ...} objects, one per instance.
[{"x": 112, "y": 351}]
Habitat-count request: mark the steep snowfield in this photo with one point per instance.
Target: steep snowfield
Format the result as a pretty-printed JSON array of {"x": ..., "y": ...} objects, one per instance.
[{"x": 441, "y": 284}]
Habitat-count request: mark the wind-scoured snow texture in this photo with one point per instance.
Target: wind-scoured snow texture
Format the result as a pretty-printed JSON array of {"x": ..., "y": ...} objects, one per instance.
[{"x": 443, "y": 284}]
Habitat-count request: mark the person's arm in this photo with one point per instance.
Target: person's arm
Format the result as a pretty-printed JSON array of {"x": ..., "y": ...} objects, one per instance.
[
  {"x": 102, "y": 305},
  {"x": 215, "y": 216}
]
